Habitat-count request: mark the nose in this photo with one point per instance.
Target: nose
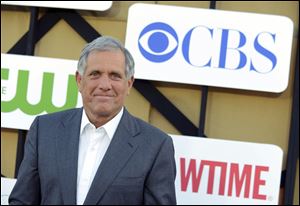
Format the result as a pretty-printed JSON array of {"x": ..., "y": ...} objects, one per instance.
[{"x": 104, "y": 83}]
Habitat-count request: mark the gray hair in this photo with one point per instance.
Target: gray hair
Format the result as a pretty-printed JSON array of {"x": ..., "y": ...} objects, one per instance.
[{"x": 106, "y": 43}]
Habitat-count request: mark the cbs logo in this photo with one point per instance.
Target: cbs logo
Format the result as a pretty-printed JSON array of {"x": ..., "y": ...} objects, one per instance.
[{"x": 158, "y": 42}]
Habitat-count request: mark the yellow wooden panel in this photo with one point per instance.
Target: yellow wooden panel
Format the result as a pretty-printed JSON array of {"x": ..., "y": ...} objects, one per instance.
[
  {"x": 185, "y": 97},
  {"x": 13, "y": 26},
  {"x": 118, "y": 11},
  {"x": 159, "y": 121},
  {"x": 9, "y": 139},
  {"x": 116, "y": 29},
  {"x": 137, "y": 105},
  {"x": 285, "y": 8}
]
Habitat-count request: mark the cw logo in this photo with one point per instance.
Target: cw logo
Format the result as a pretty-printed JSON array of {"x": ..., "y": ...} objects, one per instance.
[{"x": 45, "y": 103}]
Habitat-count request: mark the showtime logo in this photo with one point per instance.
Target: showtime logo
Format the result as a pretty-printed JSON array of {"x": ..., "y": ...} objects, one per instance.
[
  {"x": 213, "y": 171},
  {"x": 230, "y": 175}
]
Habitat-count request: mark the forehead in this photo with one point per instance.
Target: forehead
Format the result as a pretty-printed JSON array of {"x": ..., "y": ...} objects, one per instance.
[
  {"x": 110, "y": 58},
  {"x": 112, "y": 53}
]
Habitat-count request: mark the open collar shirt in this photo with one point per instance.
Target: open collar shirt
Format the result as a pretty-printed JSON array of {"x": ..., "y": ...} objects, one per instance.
[{"x": 93, "y": 143}]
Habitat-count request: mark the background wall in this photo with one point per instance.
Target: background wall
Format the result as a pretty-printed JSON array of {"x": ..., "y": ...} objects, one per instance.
[{"x": 231, "y": 114}]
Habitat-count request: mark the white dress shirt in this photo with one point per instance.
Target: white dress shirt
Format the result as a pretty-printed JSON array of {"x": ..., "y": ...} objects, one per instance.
[{"x": 93, "y": 143}]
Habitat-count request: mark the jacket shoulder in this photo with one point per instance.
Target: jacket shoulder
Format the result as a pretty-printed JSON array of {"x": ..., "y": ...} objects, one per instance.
[{"x": 60, "y": 115}]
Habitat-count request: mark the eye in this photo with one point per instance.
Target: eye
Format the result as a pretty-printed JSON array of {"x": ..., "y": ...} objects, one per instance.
[
  {"x": 158, "y": 42},
  {"x": 94, "y": 74},
  {"x": 115, "y": 76}
]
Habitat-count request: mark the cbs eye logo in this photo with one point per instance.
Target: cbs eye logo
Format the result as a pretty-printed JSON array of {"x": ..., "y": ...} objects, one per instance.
[{"x": 158, "y": 42}]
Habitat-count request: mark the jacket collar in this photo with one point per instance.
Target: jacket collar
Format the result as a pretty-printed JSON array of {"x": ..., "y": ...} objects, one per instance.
[{"x": 121, "y": 148}]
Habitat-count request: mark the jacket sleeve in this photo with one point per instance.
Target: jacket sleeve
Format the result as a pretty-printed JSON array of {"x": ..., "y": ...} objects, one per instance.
[
  {"x": 160, "y": 187},
  {"x": 27, "y": 188}
]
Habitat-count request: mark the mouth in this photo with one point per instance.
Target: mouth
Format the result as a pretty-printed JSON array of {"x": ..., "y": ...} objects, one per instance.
[{"x": 102, "y": 97}]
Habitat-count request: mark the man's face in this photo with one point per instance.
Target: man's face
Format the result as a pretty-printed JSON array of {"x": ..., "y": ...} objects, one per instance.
[{"x": 103, "y": 85}]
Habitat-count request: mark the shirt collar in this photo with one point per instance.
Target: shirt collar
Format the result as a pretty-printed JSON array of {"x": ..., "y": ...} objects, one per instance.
[{"x": 110, "y": 127}]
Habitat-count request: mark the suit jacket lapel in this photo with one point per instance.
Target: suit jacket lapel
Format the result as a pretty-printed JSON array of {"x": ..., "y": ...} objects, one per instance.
[
  {"x": 118, "y": 153},
  {"x": 67, "y": 155}
]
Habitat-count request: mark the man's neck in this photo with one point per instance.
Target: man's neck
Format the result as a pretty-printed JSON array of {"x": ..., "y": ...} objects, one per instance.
[{"x": 99, "y": 120}]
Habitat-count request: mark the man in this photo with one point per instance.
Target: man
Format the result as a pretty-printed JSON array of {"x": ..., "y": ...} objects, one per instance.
[{"x": 98, "y": 154}]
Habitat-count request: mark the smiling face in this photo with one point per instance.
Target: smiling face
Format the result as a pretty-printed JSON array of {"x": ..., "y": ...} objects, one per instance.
[{"x": 103, "y": 85}]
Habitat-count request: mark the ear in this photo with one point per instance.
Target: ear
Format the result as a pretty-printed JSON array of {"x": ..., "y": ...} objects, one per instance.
[
  {"x": 78, "y": 80},
  {"x": 130, "y": 84}
]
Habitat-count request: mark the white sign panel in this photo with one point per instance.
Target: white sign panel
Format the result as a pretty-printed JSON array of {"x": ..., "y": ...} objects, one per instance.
[
  {"x": 84, "y": 5},
  {"x": 32, "y": 86},
  {"x": 210, "y": 47},
  {"x": 211, "y": 171},
  {"x": 7, "y": 184}
]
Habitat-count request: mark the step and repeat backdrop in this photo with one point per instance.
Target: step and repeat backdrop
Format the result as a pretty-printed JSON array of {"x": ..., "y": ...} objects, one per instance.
[{"x": 206, "y": 47}]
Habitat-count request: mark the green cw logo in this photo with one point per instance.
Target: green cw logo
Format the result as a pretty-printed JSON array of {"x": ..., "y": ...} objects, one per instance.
[{"x": 45, "y": 104}]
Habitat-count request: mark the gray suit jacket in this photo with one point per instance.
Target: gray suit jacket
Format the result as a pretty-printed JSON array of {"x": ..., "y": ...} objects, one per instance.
[{"x": 138, "y": 167}]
